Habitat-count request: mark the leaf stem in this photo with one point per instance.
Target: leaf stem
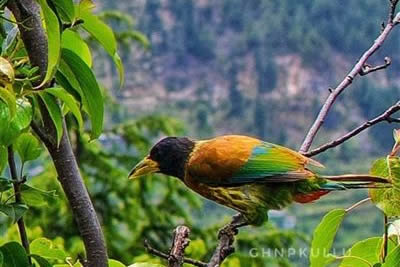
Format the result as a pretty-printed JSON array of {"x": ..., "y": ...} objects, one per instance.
[{"x": 18, "y": 199}]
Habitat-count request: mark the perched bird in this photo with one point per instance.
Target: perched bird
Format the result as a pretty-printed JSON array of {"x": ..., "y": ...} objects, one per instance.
[{"x": 246, "y": 174}]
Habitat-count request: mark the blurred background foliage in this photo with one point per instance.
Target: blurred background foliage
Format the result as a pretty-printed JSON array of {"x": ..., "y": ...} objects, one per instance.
[{"x": 202, "y": 68}]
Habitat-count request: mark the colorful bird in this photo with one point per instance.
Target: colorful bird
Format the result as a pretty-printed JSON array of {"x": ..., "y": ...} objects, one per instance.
[{"x": 246, "y": 174}]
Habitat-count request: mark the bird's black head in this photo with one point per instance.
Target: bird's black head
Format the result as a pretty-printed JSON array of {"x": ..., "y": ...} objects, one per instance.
[{"x": 171, "y": 154}]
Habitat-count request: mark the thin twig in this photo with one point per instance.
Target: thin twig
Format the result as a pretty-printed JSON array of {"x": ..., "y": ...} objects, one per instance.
[
  {"x": 366, "y": 69},
  {"x": 359, "y": 203},
  {"x": 18, "y": 199},
  {"x": 163, "y": 255},
  {"x": 385, "y": 116},
  {"x": 385, "y": 237},
  {"x": 348, "y": 80}
]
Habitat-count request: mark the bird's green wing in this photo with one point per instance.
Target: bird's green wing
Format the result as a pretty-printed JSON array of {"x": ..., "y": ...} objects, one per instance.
[{"x": 273, "y": 163}]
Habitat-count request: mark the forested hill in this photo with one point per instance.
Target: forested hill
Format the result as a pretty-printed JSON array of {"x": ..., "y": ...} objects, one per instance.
[{"x": 260, "y": 67}]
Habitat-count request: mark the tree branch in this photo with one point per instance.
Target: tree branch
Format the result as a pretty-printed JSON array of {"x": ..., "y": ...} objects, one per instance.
[
  {"x": 35, "y": 41},
  {"x": 385, "y": 116},
  {"x": 181, "y": 241},
  {"x": 358, "y": 67},
  {"x": 226, "y": 238}
]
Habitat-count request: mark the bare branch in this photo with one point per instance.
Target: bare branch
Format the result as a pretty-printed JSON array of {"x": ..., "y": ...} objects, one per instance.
[
  {"x": 366, "y": 69},
  {"x": 385, "y": 116},
  {"x": 226, "y": 238},
  {"x": 181, "y": 241},
  {"x": 349, "y": 79}
]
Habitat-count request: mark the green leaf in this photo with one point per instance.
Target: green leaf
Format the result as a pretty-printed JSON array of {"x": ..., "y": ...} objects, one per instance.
[
  {"x": 66, "y": 78},
  {"x": 323, "y": 238},
  {"x": 393, "y": 258},
  {"x": 105, "y": 36},
  {"x": 11, "y": 129},
  {"x": 44, "y": 248},
  {"x": 54, "y": 40},
  {"x": 14, "y": 255},
  {"x": 367, "y": 250},
  {"x": 28, "y": 147},
  {"x": 55, "y": 113},
  {"x": 3, "y": 158},
  {"x": 42, "y": 262},
  {"x": 37, "y": 197},
  {"x": 145, "y": 264},
  {"x": 13, "y": 210},
  {"x": 11, "y": 40},
  {"x": 5, "y": 184},
  {"x": 72, "y": 40},
  {"x": 93, "y": 99},
  {"x": 115, "y": 263},
  {"x": 69, "y": 101},
  {"x": 387, "y": 199},
  {"x": 9, "y": 98},
  {"x": 65, "y": 9}
]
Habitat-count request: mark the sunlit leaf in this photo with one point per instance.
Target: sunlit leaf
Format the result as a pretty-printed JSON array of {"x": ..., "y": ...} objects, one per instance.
[
  {"x": 45, "y": 248},
  {"x": 9, "y": 98},
  {"x": 28, "y": 147},
  {"x": 90, "y": 90},
  {"x": 393, "y": 258},
  {"x": 54, "y": 40},
  {"x": 387, "y": 199},
  {"x": 115, "y": 263},
  {"x": 323, "y": 238},
  {"x": 69, "y": 101},
  {"x": 145, "y": 264},
  {"x": 105, "y": 36},
  {"x": 14, "y": 255},
  {"x": 7, "y": 74},
  {"x": 55, "y": 113},
  {"x": 73, "y": 41},
  {"x": 37, "y": 197},
  {"x": 65, "y": 9},
  {"x": 367, "y": 250}
]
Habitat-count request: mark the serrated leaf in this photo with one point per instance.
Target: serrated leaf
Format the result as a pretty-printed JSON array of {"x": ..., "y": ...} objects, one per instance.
[
  {"x": 72, "y": 40},
  {"x": 7, "y": 73},
  {"x": 14, "y": 255},
  {"x": 69, "y": 101},
  {"x": 11, "y": 129},
  {"x": 44, "y": 247},
  {"x": 387, "y": 199},
  {"x": 65, "y": 9},
  {"x": 368, "y": 250},
  {"x": 323, "y": 238},
  {"x": 5, "y": 184},
  {"x": 55, "y": 113},
  {"x": 93, "y": 99},
  {"x": 13, "y": 210},
  {"x": 3, "y": 158},
  {"x": 105, "y": 36},
  {"x": 54, "y": 40},
  {"x": 36, "y": 197},
  {"x": 9, "y": 98},
  {"x": 11, "y": 40},
  {"x": 28, "y": 147}
]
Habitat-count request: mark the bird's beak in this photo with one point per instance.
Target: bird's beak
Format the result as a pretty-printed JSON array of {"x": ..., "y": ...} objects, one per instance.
[{"x": 146, "y": 166}]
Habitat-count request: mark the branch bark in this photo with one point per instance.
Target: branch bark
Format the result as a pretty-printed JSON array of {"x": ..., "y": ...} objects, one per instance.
[
  {"x": 385, "y": 116},
  {"x": 35, "y": 41},
  {"x": 181, "y": 241},
  {"x": 356, "y": 70}
]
